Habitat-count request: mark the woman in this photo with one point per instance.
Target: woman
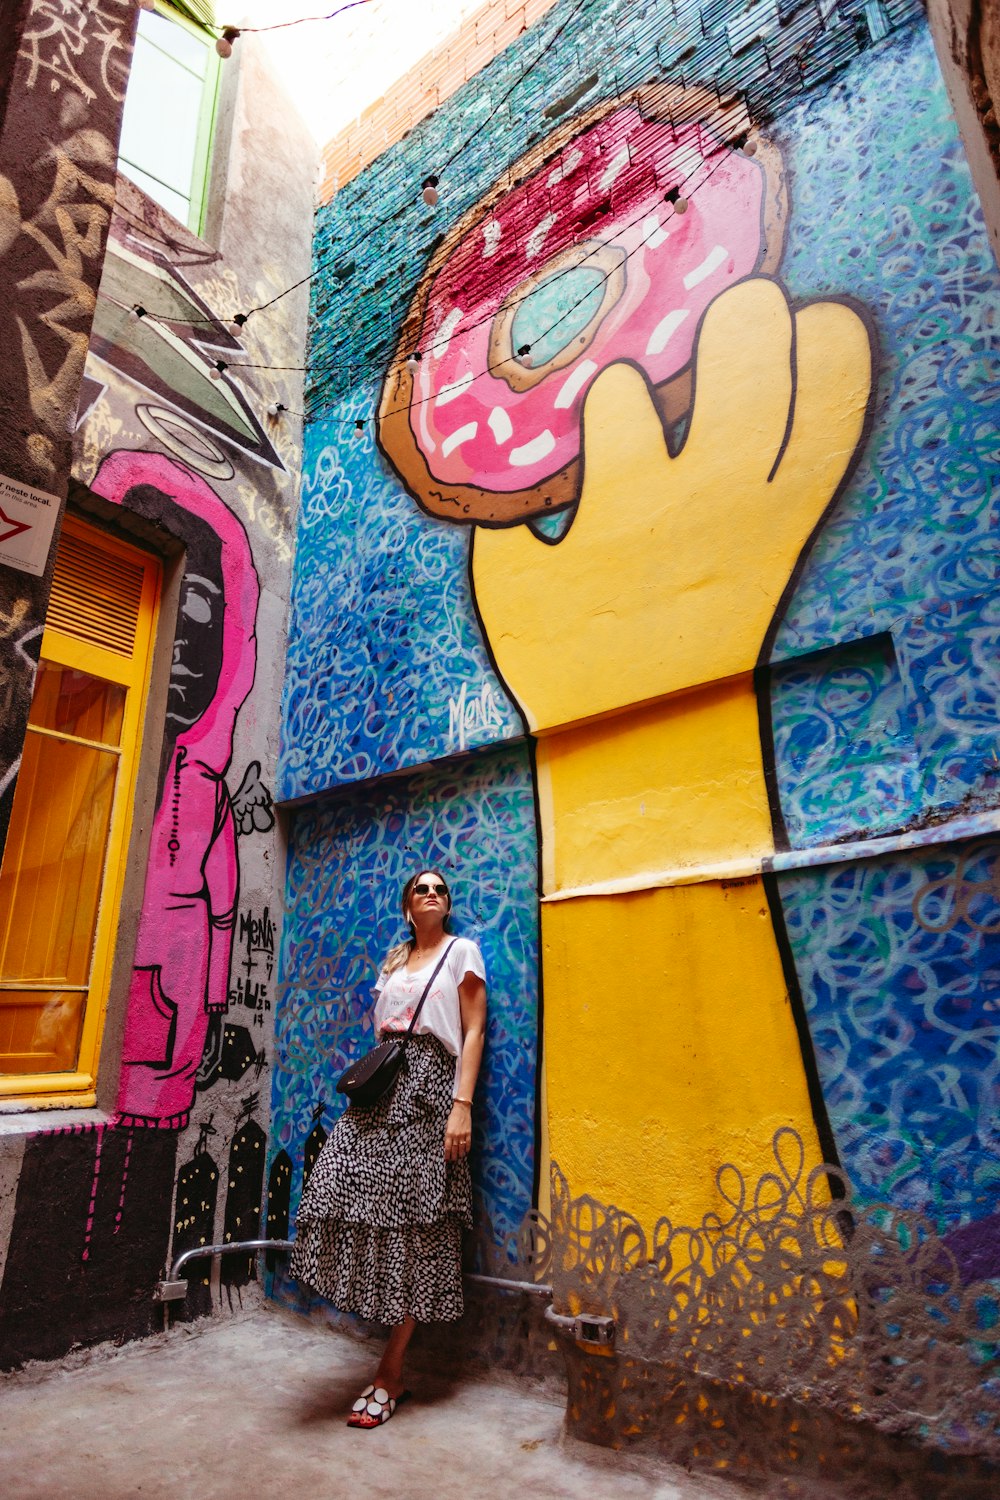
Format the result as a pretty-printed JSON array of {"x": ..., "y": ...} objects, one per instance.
[{"x": 379, "y": 1229}]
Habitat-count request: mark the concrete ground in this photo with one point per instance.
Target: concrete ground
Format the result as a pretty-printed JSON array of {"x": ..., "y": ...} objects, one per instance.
[{"x": 254, "y": 1406}]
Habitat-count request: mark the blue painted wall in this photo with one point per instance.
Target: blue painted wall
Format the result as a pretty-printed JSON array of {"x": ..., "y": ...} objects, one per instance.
[{"x": 884, "y": 684}]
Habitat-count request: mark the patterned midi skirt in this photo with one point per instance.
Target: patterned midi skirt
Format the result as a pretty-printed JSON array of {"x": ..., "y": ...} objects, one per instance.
[{"x": 379, "y": 1228}]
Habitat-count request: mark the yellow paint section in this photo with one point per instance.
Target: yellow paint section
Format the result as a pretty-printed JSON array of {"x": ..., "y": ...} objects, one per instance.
[
  {"x": 669, "y": 1041},
  {"x": 671, "y": 1047},
  {"x": 665, "y": 790},
  {"x": 671, "y": 571}
]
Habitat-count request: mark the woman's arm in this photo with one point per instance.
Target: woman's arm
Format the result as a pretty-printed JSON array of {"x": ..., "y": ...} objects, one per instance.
[{"x": 458, "y": 1133}]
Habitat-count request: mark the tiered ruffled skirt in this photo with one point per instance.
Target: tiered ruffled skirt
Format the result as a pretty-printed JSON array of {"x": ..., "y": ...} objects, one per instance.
[{"x": 379, "y": 1228}]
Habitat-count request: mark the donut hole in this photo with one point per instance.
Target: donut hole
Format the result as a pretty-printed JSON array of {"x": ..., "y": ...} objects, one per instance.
[{"x": 556, "y": 312}]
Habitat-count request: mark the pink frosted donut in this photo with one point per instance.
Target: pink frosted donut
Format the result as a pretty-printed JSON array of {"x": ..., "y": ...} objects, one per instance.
[{"x": 586, "y": 261}]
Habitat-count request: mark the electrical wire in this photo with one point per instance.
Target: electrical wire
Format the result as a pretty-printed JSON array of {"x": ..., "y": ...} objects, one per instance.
[
  {"x": 299, "y": 21},
  {"x": 499, "y": 364},
  {"x": 323, "y": 368}
]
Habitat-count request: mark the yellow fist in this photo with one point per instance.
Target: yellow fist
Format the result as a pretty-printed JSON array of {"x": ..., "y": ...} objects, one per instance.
[{"x": 672, "y": 568}]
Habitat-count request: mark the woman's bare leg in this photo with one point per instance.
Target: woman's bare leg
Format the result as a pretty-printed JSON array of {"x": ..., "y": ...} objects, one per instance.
[{"x": 390, "y": 1371}]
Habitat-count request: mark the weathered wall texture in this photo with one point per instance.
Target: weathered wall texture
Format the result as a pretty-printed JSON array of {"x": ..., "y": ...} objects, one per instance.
[
  {"x": 682, "y": 519},
  {"x": 95, "y": 1203},
  {"x": 62, "y": 85}
]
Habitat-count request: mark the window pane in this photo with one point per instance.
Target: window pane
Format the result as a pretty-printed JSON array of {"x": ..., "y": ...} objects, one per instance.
[
  {"x": 50, "y": 884},
  {"x": 73, "y": 702},
  {"x": 177, "y": 40},
  {"x": 174, "y": 203},
  {"x": 40, "y": 1033},
  {"x": 160, "y": 119}
]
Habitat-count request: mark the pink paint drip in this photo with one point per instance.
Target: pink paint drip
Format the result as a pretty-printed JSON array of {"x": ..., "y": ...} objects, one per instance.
[
  {"x": 121, "y": 1196},
  {"x": 608, "y": 186},
  {"x": 93, "y": 1192}
]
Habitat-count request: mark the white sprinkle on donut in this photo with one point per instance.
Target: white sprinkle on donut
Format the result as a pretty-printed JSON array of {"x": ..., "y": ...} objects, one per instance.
[
  {"x": 615, "y": 167},
  {"x": 686, "y": 161},
  {"x": 463, "y": 435},
  {"x": 500, "y": 425},
  {"x": 536, "y": 239},
  {"x": 653, "y": 235},
  {"x": 531, "y": 453},
  {"x": 491, "y": 238},
  {"x": 665, "y": 329},
  {"x": 442, "y": 338},
  {"x": 569, "y": 164},
  {"x": 453, "y": 390},
  {"x": 574, "y": 384},
  {"x": 713, "y": 260}
]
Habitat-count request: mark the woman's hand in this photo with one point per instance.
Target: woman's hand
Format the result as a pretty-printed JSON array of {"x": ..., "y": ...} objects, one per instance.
[{"x": 458, "y": 1132}]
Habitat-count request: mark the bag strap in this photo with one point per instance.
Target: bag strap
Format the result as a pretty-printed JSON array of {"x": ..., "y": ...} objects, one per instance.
[{"x": 427, "y": 986}]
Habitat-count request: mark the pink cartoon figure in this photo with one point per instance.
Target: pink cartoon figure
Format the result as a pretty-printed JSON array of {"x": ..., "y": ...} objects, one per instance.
[{"x": 180, "y": 978}]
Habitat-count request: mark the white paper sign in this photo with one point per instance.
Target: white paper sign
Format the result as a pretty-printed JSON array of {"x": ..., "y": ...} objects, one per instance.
[{"x": 27, "y": 520}]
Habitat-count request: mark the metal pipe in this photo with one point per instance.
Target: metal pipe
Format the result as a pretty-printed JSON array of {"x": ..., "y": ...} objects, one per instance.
[
  {"x": 174, "y": 1287},
  {"x": 537, "y": 1288},
  {"x": 229, "y": 1249}
]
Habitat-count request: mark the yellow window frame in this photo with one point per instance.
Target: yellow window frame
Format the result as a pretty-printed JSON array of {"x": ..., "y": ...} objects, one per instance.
[{"x": 79, "y": 1087}]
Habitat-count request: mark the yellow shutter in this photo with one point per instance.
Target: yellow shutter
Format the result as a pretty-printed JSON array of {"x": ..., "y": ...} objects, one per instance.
[{"x": 63, "y": 867}]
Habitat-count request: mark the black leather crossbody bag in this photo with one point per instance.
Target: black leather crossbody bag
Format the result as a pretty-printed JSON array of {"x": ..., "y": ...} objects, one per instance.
[{"x": 367, "y": 1080}]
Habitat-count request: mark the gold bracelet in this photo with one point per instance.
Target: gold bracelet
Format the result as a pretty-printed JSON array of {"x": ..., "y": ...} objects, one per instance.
[{"x": 459, "y": 1100}]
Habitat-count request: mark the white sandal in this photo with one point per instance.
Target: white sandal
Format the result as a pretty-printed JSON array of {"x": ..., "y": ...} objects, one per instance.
[{"x": 374, "y": 1406}]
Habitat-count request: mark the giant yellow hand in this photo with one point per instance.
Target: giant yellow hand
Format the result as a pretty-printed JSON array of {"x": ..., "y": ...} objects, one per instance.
[{"x": 672, "y": 569}]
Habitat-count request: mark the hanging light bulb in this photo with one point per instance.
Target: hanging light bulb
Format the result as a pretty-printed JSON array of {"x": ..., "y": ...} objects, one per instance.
[
  {"x": 224, "y": 46},
  {"x": 430, "y": 192},
  {"x": 413, "y": 363},
  {"x": 239, "y": 321},
  {"x": 359, "y": 427},
  {"x": 139, "y": 310},
  {"x": 749, "y": 147},
  {"x": 218, "y": 370},
  {"x": 680, "y": 205},
  {"x": 524, "y": 355},
  {"x": 275, "y": 408}
]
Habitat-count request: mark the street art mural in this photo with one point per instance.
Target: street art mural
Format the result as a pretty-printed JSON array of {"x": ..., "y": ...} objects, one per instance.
[
  {"x": 62, "y": 83},
  {"x": 347, "y": 865},
  {"x": 178, "y": 459},
  {"x": 152, "y": 326},
  {"x": 680, "y": 473},
  {"x": 633, "y": 600},
  {"x": 180, "y": 986}
]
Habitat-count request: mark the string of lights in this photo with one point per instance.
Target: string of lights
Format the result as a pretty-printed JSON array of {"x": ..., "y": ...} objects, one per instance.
[
  {"x": 344, "y": 252},
  {"x": 679, "y": 205},
  {"x": 429, "y": 187},
  {"x": 332, "y": 375},
  {"x": 230, "y": 34},
  {"x": 676, "y": 201},
  {"x": 353, "y": 327}
]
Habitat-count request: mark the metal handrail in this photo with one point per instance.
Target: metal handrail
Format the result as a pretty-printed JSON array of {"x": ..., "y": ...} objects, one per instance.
[{"x": 174, "y": 1288}]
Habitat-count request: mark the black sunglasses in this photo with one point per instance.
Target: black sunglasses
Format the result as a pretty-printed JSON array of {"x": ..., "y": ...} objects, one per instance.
[{"x": 424, "y": 888}]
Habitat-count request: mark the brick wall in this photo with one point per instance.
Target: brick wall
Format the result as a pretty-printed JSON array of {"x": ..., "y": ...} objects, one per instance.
[{"x": 441, "y": 73}]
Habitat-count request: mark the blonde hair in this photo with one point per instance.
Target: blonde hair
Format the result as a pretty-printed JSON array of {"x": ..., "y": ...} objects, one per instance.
[{"x": 397, "y": 956}]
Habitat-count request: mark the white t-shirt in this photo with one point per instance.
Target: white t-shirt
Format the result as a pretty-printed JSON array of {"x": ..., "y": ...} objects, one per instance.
[{"x": 397, "y": 997}]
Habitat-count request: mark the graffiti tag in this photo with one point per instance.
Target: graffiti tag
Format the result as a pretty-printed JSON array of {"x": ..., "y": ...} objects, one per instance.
[{"x": 469, "y": 713}]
